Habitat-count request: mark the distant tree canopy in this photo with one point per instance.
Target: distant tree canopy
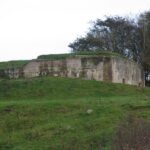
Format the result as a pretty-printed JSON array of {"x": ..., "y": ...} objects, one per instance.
[
  {"x": 128, "y": 37},
  {"x": 144, "y": 25}
]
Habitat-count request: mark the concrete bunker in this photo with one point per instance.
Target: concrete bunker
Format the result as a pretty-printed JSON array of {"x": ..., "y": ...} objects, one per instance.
[
  {"x": 101, "y": 68},
  {"x": 90, "y": 67}
]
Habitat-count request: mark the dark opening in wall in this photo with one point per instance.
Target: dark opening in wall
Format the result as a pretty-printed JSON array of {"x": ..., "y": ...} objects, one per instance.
[{"x": 123, "y": 80}]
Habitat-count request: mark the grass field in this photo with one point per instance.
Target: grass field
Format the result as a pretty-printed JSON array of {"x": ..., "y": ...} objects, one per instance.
[{"x": 52, "y": 113}]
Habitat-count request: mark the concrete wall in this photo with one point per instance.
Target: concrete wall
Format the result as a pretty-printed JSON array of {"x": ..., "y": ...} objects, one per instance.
[
  {"x": 128, "y": 72},
  {"x": 113, "y": 69},
  {"x": 87, "y": 68},
  {"x": 11, "y": 73}
]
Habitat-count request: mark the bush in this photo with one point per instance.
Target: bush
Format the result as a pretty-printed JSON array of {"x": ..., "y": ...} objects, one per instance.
[{"x": 134, "y": 134}]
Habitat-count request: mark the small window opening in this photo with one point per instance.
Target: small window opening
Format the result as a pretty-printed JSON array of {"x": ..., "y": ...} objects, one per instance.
[{"x": 123, "y": 80}]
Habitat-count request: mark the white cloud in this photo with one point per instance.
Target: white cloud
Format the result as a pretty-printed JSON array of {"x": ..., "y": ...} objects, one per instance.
[{"x": 32, "y": 27}]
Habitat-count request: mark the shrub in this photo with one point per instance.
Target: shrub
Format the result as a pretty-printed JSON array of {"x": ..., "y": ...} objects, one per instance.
[{"x": 134, "y": 134}]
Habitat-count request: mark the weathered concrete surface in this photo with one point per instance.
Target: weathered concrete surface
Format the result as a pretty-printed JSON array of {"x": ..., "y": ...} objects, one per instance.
[
  {"x": 101, "y": 68},
  {"x": 128, "y": 72},
  {"x": 11, "y": 73},
  {"x": 32, "y": 69}
]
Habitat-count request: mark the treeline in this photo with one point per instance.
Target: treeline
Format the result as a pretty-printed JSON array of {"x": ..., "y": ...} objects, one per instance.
[{"x": 126, "y": 36}]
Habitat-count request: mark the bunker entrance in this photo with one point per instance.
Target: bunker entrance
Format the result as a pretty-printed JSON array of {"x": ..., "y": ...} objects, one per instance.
[{"x": 123, "y": 81}]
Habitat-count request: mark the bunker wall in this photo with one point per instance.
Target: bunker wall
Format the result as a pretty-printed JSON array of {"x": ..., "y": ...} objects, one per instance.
[{"x": 100, "y": 68}]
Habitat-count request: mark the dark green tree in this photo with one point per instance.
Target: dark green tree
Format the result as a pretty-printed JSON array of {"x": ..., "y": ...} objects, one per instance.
[
  {"x": 116, "y": 34},
  {"x": 144, "y": 25},
  {"x": 125, "y": 36}
]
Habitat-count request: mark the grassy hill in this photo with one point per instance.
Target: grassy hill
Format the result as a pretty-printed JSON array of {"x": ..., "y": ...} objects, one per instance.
[
  {"x": 13, "y": 64},
  {"x": 81, "y": 53},
  {"x": 52, "y": 113}
]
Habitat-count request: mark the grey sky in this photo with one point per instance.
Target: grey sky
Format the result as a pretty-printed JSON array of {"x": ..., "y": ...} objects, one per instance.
[{"x": 29, "y": 28}]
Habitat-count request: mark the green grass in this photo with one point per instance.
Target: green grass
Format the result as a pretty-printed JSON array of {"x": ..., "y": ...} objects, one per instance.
[
  {"x": 13, "y": 64},
  {"x": 82, "y": 53},
  {"x": 51, "y": 113}
]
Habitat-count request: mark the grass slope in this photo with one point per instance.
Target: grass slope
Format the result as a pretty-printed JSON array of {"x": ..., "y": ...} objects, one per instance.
[
  {"x": 66, "y": 114},
  {"x": 13, "y": 64},
  {"x": 81, "y": 53}
]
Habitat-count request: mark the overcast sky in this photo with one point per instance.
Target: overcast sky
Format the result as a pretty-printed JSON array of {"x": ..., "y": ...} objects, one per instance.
[{"x": 29, "y": 28}]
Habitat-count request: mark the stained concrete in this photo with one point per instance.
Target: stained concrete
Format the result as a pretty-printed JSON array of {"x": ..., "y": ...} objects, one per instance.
[
  {"x": 100, "y": 68},
  {"x": 128, "y": 72}
]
